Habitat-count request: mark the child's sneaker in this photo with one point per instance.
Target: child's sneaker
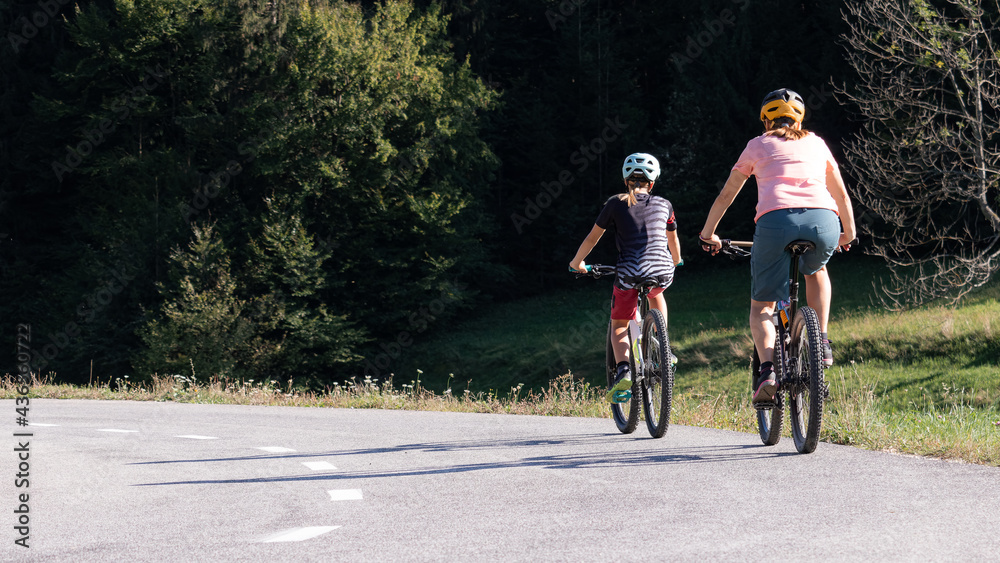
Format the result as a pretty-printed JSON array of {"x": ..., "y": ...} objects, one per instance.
[
  {"x": 827, "y": 354},
  {"x": 768, "y": 387},
  {"x": 621, "y": 391}
]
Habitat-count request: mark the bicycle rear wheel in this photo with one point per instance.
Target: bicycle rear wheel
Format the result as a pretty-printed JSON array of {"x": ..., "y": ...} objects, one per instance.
[
  {"x": 657, "y": 381},
  {"x": 626, "y": 414},
  {"x": 768, "y": 420},
  {"x": 809, "y": 389}
]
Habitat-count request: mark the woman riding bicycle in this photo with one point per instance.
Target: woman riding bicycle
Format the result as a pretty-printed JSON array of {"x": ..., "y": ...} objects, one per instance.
[
  {"x": 648, "y": 247},
  {"x": 800, "y": 195}
]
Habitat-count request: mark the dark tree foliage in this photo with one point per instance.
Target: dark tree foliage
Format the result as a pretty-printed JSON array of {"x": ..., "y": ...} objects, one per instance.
[{"x": 253, "y": 188}]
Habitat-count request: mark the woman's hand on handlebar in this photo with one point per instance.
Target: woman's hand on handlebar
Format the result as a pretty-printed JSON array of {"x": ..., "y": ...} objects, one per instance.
[
  {"x": 579, "y": 267},
  {"x": 711, "y": 244}
]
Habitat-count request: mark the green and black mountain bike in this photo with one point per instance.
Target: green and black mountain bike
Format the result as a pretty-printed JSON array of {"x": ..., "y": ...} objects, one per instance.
[{"x": 650, "y": 360}]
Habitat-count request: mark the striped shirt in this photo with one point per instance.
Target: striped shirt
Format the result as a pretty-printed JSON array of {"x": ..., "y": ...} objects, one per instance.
[{"x": 641, "y": 238}]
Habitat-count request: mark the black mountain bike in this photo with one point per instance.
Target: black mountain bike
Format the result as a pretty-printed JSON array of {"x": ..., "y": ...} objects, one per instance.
[
  {"x": 798, "y": 361},
  {"x": 650, "y": 360}
]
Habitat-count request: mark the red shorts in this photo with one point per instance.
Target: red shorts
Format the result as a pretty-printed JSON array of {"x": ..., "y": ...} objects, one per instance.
[{"x": 625, "y": 302}]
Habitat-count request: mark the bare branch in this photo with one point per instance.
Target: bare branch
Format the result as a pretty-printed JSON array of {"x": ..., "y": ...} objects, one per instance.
[{"x": 928, "y": 156}]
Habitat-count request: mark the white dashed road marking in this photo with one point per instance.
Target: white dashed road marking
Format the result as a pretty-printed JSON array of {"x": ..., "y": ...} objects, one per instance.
[
  {"x": 346, "y": 494},
  {"x": 318, "y": 465},
  {"x": 294, "y": 534},
  {"x": 300, "y": 534}
]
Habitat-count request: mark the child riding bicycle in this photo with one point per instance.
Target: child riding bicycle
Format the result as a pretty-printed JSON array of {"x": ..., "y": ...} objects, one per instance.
[
  {"x": 648, "y": 247},
  {"x": 800, "y": 195}
]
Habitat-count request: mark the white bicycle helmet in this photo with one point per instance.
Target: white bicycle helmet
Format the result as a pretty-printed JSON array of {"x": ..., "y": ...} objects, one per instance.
[{"x": 641, "y": 162}]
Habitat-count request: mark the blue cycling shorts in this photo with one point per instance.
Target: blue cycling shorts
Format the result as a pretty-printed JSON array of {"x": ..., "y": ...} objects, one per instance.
[{"x": 769, "y": 263}]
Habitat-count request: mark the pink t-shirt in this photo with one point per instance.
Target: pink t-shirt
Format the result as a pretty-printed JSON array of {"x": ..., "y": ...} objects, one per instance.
[{"x": 790, "y": 174}]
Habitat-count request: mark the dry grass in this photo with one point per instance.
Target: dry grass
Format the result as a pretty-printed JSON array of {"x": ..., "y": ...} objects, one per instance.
[{"x": 565, "y": 396}]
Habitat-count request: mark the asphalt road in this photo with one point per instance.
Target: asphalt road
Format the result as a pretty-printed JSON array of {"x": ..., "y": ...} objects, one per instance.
[{"x": 126, "y": 481}]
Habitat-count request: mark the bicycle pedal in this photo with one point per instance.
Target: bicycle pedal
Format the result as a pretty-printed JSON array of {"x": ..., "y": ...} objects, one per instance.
[
  {"x": 765, "y": 405},
  {"x": 622, "y": 396}
]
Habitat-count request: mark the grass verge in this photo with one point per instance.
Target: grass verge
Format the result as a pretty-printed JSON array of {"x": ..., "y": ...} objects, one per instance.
[{"x": 954, "y": 432}]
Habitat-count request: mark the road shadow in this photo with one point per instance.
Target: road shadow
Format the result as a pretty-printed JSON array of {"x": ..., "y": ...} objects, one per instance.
[
  {"x": 602, "y": 460},
  {"x": 424, "y": 447}
]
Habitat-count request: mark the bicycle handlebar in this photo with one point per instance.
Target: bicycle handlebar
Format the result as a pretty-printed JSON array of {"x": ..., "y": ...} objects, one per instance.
[
  {"x": 735, "y": 248},
  {"x": 595, "y": 271}
]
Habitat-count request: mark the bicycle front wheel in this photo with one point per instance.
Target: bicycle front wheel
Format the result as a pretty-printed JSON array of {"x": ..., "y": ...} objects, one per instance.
[
  {"x": 626, "y": 415},
  {"x": 768, "y": 420},
  {"x": 808, "y": 388},
  {"x": 657, "y": 381}
]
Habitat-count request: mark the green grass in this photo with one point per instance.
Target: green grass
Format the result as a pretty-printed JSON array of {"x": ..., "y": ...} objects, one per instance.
[
  {"x": 919, "y": 358},
  {"x": 912, "y": 381}
]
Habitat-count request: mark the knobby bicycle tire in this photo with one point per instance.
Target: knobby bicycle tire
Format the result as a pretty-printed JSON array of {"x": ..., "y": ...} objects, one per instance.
[
  {"x": 806, "y": 403},
  {"x": 658, "y": 380},
  {"x": 769, "y": 421},
  {"x": 626, "y": 415}
]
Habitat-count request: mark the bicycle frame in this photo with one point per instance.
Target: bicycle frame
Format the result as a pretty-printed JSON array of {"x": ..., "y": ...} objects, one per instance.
[
  {"x": 784, "y": 311},
  {"x": 635, "y": 323},
  {"x": 635, "y": 330},
  {"x": 783, "y": 315}
]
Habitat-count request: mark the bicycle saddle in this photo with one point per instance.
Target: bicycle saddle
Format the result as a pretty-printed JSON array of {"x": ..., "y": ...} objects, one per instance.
[
  {"x": 800, "y": 247},
  {"x": 642, "y": 282}
]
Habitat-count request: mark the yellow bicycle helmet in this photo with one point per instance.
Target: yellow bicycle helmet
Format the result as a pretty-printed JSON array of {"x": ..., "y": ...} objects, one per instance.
[{"x": 783, "y": 103}]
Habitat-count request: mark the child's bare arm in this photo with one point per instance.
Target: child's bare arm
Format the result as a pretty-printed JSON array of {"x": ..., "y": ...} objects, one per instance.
[
  {"x": 588, "y": 244},
  {"x": 674, "y": 242}
]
